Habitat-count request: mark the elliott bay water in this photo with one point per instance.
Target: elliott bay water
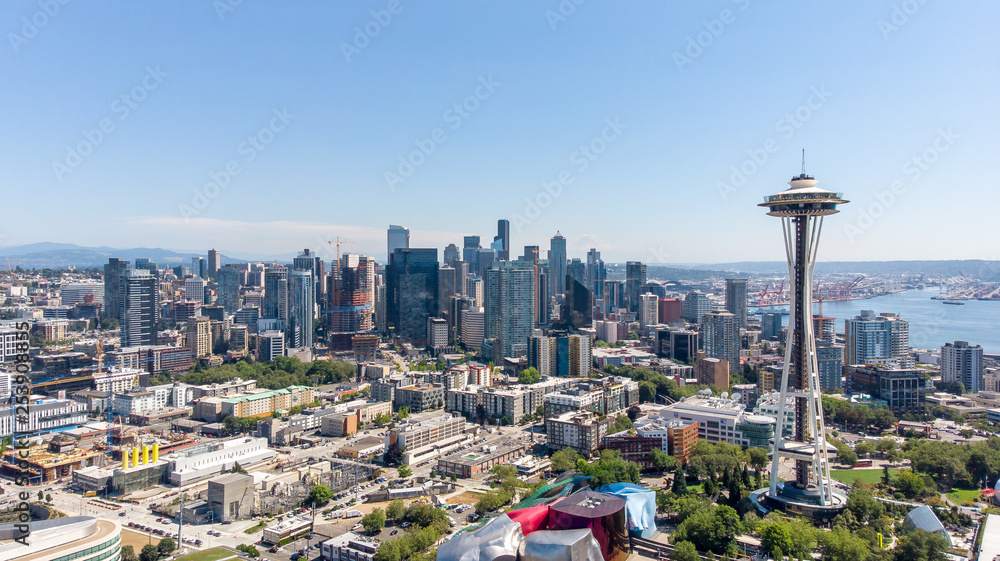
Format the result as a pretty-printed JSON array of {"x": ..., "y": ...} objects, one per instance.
[{"x": 932, "y": 322}]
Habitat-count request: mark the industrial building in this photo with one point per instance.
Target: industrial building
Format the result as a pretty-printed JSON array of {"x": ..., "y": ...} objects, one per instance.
[
  {"x": 213, "y": 458},
  {"x": 231, "y": 496},
  {"x": 481, "y": 460},
  {"x": 426, "y": 440}
]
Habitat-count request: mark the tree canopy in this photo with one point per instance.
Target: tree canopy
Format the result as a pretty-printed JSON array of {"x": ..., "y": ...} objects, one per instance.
[
  {"x": 275, "y": 374},
  {"x": 529, "y": 375}
]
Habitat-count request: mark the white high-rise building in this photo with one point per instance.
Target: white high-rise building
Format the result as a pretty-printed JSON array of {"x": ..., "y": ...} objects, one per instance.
[
  {"x": 877, "y": 339},
  {"x": 649, "y": 309},
  {"x": 473, "y": 324},
  {"x": 720, "y": 333},
  {"x": 696, "y": 305},
  {"x": 961, "y": 362}
]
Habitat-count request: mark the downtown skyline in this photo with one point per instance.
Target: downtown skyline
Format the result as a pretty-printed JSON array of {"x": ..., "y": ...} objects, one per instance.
[{"x": 630, "y": 131}]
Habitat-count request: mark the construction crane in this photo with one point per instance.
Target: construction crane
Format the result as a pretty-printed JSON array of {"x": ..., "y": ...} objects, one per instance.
[{"x": 338, "y": 243}]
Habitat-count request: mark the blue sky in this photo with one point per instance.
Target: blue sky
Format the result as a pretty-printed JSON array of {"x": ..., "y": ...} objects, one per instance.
[{"x": 669, "y": 98}]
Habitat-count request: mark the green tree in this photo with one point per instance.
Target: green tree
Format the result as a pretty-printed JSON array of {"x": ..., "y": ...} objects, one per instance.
[
  {"x": 564, "y": 459},
  {"x": 713, "y": 529},
  {"x": 758, "y": 457},
  {"x": 920, "y": 545},
  {"x": 403, "y": 413},
  {"x": 663, "y": 461},
  {"x": 622, "y": 423},
  {"x": 493, "y": 500},
  {"x": 864, "y": 448},
  {"x": 166, "y": 546},
  {"x": 863, "y": 506},
  {"x": 389, "y": 550},
  {"x": 529, "y": 375},
  {"x": 41, "y": 495},
  {"x": 374, "y": 521},
  {"x": 405, "y": 471},
  {"x": 679, "y": 487},
  {"x": 775, "y": 535},
  {"x": 382, "y": 419},
  {"x": 319, "y": 494},
  {"x": 847, "y": 456},
  {"x": 684, "y": 551},
  {"x": 885, "y": 444},
  {"x": 149, "y": 552},
  {"x": 250, "y": 550},
  {"x": 48, "y": 498},
  {"x": 128, "y": 553},
  {"x": 396, "y": 510},
  {"x": 237, "y": 468},
  {"x": 841, "y": 544},
  {"x": 610, "y": 468},
  {"x": 908, "y": 483}
]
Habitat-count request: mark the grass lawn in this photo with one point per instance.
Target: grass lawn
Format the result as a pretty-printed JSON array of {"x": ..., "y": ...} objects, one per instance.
[
  {"x": 958, "y": 496},
  {"x": 868, "y": 476},
  {"x": 208, "y": 555}
]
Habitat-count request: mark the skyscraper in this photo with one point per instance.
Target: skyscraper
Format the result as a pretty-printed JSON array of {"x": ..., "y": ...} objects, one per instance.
[
  {"x": 412, "y": 292},
  {"x": 963, "y": 363},
  {"x": 353, "y": 294},
  {"x": 275, "y": 293},
  {"x": 140, "y": 305},
  {"x": 113, "y": 273},
  {"x": 696, "y": 305},
  {"x": 301, "y": 308},
  {"x": 451, "y": 254},
  {"x": 309, "y": 261},
  {"x": 557, "y": 265},
  {"x": 470, "y": 252},
  {"x": 198, "y": 267},
  {"x": 614, "y": 295},
  {"x": 510, "y": 306},
  {"x": 449, "y": 286},
  {"x": 801, "y": 209},
  {"x": 503, "y": 236},
  {"x": 398, "y": 238},
  {"x": 736, "y": 299},
  {"x": 577, "y": 270},
  {"x": 145, "y": 263},
  {"x": 214, "y": 262},
  {"x": 229, "y": 289},
  {"x": 596, "y": 273},
  {"x": 577, "y": 310},
  {"x": 635, "y": 277},
  {"x": 882, "y": 339},
  {"x": 720, "y": 333},
  {"x": 530, "y": 253}
]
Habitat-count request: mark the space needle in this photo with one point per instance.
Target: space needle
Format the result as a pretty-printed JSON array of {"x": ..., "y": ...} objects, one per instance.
[{"x": 801, "y": 209}]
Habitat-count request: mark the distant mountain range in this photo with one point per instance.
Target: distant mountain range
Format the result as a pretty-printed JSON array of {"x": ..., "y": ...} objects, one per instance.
[
  {"x": 61, "y": 255},
  {"x": 47, "y": 255}
]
